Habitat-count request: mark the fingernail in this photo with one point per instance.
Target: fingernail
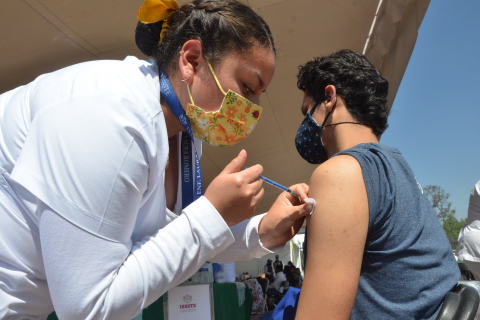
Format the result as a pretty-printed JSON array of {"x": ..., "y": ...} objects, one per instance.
[{"x": 308, "y": 207}]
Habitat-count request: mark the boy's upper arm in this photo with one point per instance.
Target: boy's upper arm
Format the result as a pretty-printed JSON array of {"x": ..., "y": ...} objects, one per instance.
[{"x": 337, "y": 232}]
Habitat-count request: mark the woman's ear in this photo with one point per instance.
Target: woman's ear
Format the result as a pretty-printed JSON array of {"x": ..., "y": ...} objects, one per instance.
[
  {"x": 330, "y": 97},
  {"x": 190, "y": 57}
]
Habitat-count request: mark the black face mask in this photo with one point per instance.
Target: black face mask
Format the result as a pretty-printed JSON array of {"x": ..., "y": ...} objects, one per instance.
[{"x": 309, "y": 137}]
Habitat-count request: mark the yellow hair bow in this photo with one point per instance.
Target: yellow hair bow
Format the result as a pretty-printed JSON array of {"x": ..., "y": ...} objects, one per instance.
[{"x": 157, "y": 10}]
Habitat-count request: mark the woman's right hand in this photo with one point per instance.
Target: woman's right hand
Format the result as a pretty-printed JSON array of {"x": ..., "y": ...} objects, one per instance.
[{"x": 235, "y": 192}]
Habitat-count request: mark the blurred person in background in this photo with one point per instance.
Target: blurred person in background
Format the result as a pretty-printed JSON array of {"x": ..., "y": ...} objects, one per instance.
[
  {"x": 279, "y": 278},
  {"x": 296, "y": 277},
  {"x": 468, "y": 248},
  {"x": 269, "y": 271},
  {"x": 287, "y": 271},
  {"x": 277, "y": 262}
]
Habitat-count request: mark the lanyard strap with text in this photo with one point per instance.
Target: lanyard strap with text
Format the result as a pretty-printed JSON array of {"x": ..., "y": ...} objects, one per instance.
[{"x": 192, "y": 187}]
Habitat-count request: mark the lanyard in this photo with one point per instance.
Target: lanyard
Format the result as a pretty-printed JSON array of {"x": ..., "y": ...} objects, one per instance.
[{"x": 192, "y": 187}]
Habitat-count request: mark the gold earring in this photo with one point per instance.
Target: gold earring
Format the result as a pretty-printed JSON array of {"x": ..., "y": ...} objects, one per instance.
[{"x": 183, "y": 80}]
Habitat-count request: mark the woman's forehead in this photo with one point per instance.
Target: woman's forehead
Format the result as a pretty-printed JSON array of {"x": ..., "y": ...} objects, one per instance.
[{"x": 258, "y": 61}]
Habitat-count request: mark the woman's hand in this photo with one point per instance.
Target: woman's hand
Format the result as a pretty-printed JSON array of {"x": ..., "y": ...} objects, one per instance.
[
  {"x": 285, "y": 218},
  {"x": 235, "y": 192}
]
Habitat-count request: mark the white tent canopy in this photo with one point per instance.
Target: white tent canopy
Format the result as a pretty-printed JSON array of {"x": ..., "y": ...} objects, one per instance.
[{"x": 39, "y": 36}]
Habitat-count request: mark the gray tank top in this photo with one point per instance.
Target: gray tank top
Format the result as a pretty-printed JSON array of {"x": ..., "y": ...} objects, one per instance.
[{"x": 408, "y": 265}]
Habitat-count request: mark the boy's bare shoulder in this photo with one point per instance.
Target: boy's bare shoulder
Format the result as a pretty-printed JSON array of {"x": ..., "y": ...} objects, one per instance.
[{"x": 340, "y": 168}]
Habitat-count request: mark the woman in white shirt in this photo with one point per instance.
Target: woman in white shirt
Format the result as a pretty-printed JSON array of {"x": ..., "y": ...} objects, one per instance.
[
  {"x": 279, "y": 278},
  {"x": 468, "y": 248},
  {"x": 94, "y": 164}
]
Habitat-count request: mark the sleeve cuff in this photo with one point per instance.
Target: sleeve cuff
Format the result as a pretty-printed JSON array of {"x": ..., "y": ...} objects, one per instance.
[
  {"x": 203, "y": 214},
  {"x": 255, "y": 246}
]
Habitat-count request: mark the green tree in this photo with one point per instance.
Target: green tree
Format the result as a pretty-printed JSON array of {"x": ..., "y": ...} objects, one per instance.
[
  {"x": 439, "y": 200},
  {"x": 452, "y": 226},
  {"x": 443, "y": 208}
]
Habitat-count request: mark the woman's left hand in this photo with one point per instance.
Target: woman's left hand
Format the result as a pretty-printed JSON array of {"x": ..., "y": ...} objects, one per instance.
[{"x": 285, "y": 217}]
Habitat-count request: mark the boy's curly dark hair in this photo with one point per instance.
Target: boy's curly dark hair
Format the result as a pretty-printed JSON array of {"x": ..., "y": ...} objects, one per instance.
[{"x": 356, "y": 80}]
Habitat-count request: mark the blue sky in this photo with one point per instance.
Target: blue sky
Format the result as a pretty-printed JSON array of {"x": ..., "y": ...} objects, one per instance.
[{"x": 435, "y": 119}]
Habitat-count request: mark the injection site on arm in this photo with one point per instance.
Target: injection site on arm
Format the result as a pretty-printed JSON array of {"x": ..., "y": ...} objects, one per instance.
[{"x": 338, "y": 231}]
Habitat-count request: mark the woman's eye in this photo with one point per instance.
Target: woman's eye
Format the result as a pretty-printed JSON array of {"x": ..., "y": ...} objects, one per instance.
[{"x": 248, "y": 91}]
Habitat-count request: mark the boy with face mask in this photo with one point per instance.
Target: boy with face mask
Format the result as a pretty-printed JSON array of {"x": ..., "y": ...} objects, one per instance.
[{"x": 388, "y": 256}]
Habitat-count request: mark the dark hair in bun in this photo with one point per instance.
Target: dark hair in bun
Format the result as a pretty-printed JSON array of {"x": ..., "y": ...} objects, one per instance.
[
  {"x": 222, "y": 26},
  {"x": 147, "y": 36}
]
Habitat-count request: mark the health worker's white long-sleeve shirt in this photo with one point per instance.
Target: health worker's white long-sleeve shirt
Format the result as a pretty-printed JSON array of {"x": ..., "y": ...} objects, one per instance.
[{"x": 84, "y": 228}]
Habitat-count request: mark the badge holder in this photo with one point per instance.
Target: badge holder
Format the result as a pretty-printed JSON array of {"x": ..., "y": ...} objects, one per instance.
[{"x": 189, "y": 302}]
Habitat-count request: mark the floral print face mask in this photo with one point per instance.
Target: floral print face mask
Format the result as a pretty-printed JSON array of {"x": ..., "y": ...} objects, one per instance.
[{"x": 235, "y": 120}]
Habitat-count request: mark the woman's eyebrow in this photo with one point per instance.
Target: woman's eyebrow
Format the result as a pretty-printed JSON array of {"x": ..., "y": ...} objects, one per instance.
[
  {"x": 261, "y": 83},
  {"x": 260, "y": 80}
]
